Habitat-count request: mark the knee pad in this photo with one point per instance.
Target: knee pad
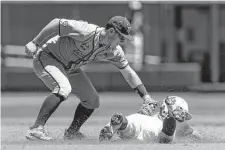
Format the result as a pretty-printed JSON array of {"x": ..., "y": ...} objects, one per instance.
[{"x": 63, "y": 91}]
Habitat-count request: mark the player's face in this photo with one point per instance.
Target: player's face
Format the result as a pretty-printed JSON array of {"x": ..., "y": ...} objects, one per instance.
[
  {"x": 114, "y": 38},
  {"x": 121, "y": 38}
]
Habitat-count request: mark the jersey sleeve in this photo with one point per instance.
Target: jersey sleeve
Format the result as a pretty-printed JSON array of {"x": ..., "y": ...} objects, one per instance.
[
  {"x": 119, "y": 59},
  {"x": 73, "y": 27}
]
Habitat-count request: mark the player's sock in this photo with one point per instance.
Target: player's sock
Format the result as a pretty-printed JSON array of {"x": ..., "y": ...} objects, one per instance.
[
  {"x": 50, "y": 104},
  {"x": 169, "y": 126},
  {"x": 80, "y": 116}
]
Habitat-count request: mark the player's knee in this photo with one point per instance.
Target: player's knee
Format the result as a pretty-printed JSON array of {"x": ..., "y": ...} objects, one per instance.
[
  {"x": 92, "y": 103},
  {"x": 62, "y": 98},
  {"x": 65, "y": 91},
  {"x": 95, "y": 102}
]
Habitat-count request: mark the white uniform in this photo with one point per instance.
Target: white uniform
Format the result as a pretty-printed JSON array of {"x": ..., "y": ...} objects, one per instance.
[
  {"x": 142, "y": 127},
  {"x": 149, "y": 128}
]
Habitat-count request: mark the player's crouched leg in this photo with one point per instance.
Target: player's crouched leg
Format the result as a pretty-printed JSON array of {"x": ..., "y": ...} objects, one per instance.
[
  {"x": 92, "y": 103},
  {"x": 168, "y": 130},
  {"x": 38, "y": 130},
  {"x": 83, "y": 112},
  {"x": 63, "y": 90}
]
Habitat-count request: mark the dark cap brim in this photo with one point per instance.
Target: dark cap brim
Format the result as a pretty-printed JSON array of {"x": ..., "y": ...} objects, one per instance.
[{"x": 129, "y": 37}]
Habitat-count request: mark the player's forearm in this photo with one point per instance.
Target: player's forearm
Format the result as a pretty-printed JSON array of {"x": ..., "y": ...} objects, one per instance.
[
  {"x": 131, "y": 77},
  {"x": 47, "y": 32},
  {"x": 134, "y": 81}
]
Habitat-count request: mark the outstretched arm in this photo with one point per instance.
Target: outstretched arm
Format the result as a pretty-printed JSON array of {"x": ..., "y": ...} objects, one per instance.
[
  {"x": 128, "y": 73},
  {"x": 149, "y": 104},
  {"x": 132, "y": 79},
  {"x": 135, "y": 82}
]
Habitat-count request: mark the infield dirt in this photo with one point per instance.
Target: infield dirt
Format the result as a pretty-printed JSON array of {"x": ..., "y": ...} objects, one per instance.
[{"x": 19, "y": 110}]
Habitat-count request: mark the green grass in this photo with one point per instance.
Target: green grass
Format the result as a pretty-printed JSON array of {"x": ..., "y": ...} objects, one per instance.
[{"x": 19, "y": 110}]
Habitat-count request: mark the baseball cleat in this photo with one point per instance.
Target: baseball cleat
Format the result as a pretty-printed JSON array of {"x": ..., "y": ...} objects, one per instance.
[
  {"x": 72, "y": 135},
  {"x": 176, "y": 111},
  {"x": 170, "y": 100},
  {"x": 39, "y": 133},
  {"x": 110, "y": 129},
  {"x": 181, "y": 115}
]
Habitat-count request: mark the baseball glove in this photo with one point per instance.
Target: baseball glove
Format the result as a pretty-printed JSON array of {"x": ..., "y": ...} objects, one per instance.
[{"x": 148, "y": 107}]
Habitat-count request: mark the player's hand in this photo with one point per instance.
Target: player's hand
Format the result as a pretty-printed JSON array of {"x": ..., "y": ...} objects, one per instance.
[
  {"x": 150, "y": 101},
  {"x": 31, "y": 48},
  {"x": 149, "y": 105}
]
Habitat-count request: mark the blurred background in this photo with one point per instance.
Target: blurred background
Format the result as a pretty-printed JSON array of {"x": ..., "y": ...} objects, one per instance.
[{"x": 178, "y": 46}]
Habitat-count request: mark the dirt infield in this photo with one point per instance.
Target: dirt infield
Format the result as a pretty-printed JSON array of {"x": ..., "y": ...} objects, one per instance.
[{"x": 19, "y": 110}]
